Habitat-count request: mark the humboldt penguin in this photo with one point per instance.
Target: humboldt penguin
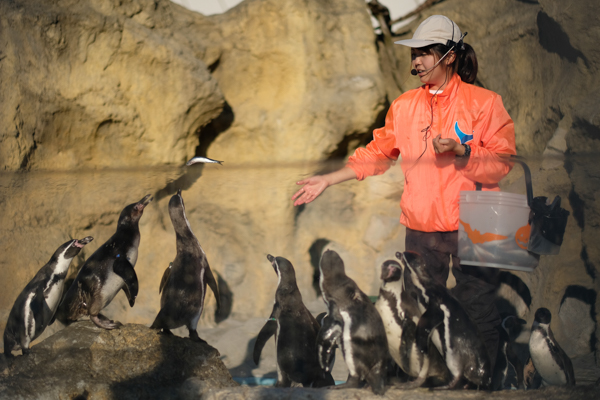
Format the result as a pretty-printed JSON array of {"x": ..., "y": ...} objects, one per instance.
[
  {"x": 550, "y": 360},
  {"x": 108, "y": 270},
  {"x": 295, "y": 331},
  {"x": 509, "y": 331},
  {"x": 184, "y": 282},
  {"x": 446, "y": 325},
  {"x": 353, "y": 323},
  {"x": 400, "y": 312},
  {"x": 36, "y": 306}
]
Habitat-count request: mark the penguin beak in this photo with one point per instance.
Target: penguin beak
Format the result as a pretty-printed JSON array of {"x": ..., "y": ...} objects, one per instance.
[
  {"x": 86, "y": 240},
  {"x": 144, "y": 202}
]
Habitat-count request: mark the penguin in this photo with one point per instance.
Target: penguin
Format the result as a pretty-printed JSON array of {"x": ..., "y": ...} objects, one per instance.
[
  {"x": 509, "y": 330},
  {"x": 550, "y": 360},
  {"x": 399, "y": 310},
  {"x": 184, "y": 282},
  {"x": 35, "y": 307},
  {"x": 446, "y": 325},
  {"x": 295, "y": 331},
  {"x": 108, "y": 270},
  {"x": 203, "y": 160},
  {"x": 353, "y": 323}
]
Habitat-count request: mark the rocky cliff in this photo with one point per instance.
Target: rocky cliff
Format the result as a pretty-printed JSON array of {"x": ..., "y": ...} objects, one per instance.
[{"x": 104, "y": 100}]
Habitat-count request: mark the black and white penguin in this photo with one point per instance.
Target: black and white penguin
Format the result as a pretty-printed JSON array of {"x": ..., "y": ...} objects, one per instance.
[
  {"x": 509, "y": 330},
  {"x": 446, "y": 324},
  {"x": 184, "y": 282},
  {"x": 36, "y": 306},
  {"x": 400, "y": 312},
  {"x": 295, "y": 331},
  {"x": 203, "y": 160},
  {"x": 107, "y": 271},
  {"x": 550, "y": 360},
  {"x": 353, "y": 323}
]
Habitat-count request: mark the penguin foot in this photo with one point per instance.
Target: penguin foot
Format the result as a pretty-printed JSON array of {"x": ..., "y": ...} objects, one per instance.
[
  {"x": 195, "y": 338},
  {"x": 102, "y": 322},
  {"x": 351, "y": 383},
  {"x": 165, "y": 331}
]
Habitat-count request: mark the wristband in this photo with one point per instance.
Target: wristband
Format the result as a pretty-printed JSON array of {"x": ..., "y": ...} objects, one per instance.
[{"x": 467, "y": 151}]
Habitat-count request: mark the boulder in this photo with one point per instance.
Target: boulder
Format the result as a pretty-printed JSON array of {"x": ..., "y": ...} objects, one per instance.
[{"x": 128, "y": 363}]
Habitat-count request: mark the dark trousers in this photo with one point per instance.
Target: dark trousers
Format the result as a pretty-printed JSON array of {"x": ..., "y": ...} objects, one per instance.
[{"x": 475, "y": 286}]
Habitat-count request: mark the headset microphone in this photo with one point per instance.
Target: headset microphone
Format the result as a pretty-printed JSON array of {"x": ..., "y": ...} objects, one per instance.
[{"x": 414, "y": 71}]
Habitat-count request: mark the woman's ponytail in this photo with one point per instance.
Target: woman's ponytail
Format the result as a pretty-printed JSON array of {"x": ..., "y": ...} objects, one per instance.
[{"x": 467, "y": 64}]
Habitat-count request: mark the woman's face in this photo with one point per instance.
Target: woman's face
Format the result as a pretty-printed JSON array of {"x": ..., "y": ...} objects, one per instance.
[{"x": 423, "y": 61}]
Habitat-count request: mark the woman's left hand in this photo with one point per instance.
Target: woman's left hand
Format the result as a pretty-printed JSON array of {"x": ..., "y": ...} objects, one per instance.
[{"x": 444, "y": 145}]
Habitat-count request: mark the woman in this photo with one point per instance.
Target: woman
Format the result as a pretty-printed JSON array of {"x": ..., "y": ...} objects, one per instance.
[{"x": 452, "y": 136}]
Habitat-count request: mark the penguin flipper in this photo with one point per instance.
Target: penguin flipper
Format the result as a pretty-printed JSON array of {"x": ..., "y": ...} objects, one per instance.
[
  {"x": 327, "y": 340},
  {"x": 41, "y": 312},
  {"x": 212, "y": 283},
  {"x": 263, "y": 336},
  {"x": 320, "y": 318},
  {"x": 124, "y": 269},
  {"x": 165, "y": 278}
]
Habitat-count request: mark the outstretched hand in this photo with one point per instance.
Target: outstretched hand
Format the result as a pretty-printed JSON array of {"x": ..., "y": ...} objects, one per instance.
[{"x": 312, "y": 188}]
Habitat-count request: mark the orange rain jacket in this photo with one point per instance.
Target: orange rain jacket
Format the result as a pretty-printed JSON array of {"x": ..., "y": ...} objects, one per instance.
[{"x": 463, "y": 112}]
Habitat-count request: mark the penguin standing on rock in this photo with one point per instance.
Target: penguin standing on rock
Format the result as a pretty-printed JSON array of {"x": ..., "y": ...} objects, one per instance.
[
  {"x": 353, "y": 323},
  {"x": 106, "y": 272},
  {"x": 184, "y": 282},
  {"x": 35, "y": 307},
  {"x": 295, "y": 331},
  {"x": 550, "y": 360}
]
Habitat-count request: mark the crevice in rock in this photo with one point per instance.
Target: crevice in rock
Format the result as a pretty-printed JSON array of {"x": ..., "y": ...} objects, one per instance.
[
  {"x": 27, "y": 157},
  {"x": 586, "y": 129},
  {"x": 554, "y": 39},
  {"x": 213, "y": 67},
  {"x": 357, "y": 139},
  {"x": 206, "y": 136},
  {"x": 315, "y": 251},
  {"x": 349, "y": 143},
  {"x": 578, "y": 206},
  {"x": 590, "y": 268},
  {"x": 587, "y": 296}
]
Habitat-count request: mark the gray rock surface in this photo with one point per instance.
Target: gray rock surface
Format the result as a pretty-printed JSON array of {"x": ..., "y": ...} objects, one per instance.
[{"x": 132, "y": 362}]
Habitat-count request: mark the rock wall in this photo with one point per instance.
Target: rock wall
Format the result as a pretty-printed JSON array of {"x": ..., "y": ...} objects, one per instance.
[{"x": 116, "y": 95}]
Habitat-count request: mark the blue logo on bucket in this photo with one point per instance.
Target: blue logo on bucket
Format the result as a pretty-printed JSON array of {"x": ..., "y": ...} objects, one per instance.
[{"x": 463, "y": 137}]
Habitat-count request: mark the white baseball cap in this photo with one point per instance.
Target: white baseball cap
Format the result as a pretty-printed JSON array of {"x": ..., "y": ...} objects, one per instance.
[{"x": 435, "y": 29}]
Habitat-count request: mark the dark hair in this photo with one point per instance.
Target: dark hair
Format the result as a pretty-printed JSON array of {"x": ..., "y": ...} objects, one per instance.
[{"x": 465, "y": 63}]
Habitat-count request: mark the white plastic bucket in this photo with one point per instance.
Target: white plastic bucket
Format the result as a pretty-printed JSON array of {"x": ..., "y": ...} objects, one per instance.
[{"x": 493, "y": 230}]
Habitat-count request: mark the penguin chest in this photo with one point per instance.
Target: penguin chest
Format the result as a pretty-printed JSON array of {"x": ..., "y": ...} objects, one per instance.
[
  {"x": 442, "y": 339},
  {"x": 347, "y": 350},
  {"x": 53, "y": 294},
  {"x": 544, "y": 359},
  {"x": 110, "y": 287},
  {"x": 393, "y": 330},
  {"x": 53, "y": 288}
]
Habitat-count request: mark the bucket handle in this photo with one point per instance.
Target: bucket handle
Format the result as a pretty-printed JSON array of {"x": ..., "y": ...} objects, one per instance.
[{"x": 519, "y": 160}]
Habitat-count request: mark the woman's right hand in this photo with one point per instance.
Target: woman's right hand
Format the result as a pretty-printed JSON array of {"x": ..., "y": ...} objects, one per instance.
[{"x": 312, "y": 188}]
